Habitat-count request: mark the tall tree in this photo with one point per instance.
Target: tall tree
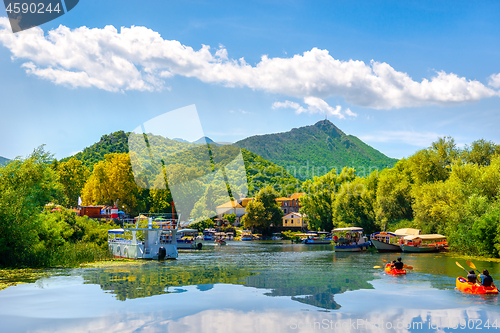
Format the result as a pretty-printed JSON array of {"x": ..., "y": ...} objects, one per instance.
[
  {"x": 25, "y": 187},
  {"x": 72, "y": 174},
  {"x": 113, "y": 179},
  {"x": 263, "y": 210}
]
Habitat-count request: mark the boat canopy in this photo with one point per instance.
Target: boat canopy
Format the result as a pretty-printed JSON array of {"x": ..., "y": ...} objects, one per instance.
[
  {"x": 430, "y": 237},
  {"x": 348, "y": 229},
  {"x": 305, "y": 235},
  {"x": 188, "y": 230},
  {"x": 116, "y": 231},
  {"x": 407, "y": 232},
  {"x": 384, "y": 233}
]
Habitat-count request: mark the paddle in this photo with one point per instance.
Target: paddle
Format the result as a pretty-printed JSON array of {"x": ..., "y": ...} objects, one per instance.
[
  {"x": 404, "y": 265},
  {"x": 456, "y": 262},
  {"x": 377, "y": 266},
  {"x": 471, "y": 265}
]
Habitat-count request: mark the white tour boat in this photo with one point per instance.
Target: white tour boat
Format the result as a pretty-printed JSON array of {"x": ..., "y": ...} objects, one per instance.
[{"x": 145, "y": 238}]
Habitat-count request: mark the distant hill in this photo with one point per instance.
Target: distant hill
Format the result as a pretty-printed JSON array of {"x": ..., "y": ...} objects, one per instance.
[
  {"x": 116, "y": 142},
  {"x": 313, "y": 150},
  {"x": 3, "y": 160},
  {"x": 260, "y": 172}
]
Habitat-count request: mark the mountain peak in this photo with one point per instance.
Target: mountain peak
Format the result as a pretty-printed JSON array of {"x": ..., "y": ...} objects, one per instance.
[{"x": 328, "y": 127}]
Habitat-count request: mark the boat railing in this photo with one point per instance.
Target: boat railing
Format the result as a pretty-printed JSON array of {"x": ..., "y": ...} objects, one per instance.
[{"x": 150, "y": 223}]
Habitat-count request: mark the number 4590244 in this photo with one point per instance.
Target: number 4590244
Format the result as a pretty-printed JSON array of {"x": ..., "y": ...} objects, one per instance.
[{"x": 33, "y": 8}]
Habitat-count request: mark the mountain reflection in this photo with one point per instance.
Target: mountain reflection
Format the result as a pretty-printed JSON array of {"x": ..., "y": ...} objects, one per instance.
[{"x": 314, "y": 277}]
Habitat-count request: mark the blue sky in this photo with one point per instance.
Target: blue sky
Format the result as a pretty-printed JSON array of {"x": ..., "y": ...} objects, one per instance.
[{"x": 397, "y": 74}]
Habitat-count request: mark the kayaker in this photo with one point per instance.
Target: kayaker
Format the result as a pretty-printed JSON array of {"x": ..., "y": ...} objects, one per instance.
[
  {"x": 472, "y": 277},
  {"x": 486, "y": 279},
  {"x": 393, "y": 264},
  {"x": 398, "y": 264}
]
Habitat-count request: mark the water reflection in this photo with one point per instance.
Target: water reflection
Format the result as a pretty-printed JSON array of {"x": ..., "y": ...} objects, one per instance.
[
  {"x": 309, "y": 275},
  {"x": 153, "y": 278}
]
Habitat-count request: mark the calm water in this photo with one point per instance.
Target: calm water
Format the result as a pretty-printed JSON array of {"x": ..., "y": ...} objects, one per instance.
[{"x": 253, "y": 287}]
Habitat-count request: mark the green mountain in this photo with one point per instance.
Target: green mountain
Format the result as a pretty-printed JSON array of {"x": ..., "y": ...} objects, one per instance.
[
  {"x": 259, "y": 171},
  {"x": 314, "y": 150},
  {"x": 3, "y": 160},
  {"x": 116, "y": 142}
]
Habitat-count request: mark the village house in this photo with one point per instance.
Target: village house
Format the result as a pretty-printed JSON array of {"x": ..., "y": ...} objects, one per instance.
[{"x": 287, "y": 204}]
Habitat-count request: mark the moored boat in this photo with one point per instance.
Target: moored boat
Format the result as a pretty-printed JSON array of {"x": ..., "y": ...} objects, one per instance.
[
  {"x": 474, "y": 288},
  {"x": 394, "y": 271},
  {"x": 209, "y": 234},
  {"x": 246, "y": 237},
  {"x": 144, "y": 239},
  {"x": 423, "y": 243},
  {"x": 351, "y": 240},
  {"x": 186, "y": 239},
  {"x": 390, "y": 241},
  {"x": 315, "y": 239},
  {"x": 386, "y": 241}
]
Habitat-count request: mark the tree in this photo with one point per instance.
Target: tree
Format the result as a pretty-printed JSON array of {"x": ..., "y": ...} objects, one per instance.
[
  {"x": 231, "y": 218},
  {"x": 480, "y": 152},
  {"x": 394, "y": 201},
  {"x": 26, "y": 185},
  {"x": 113, "y": 179},
  {"x": 354, "y": 204},
  {"x": 72, "y": 174},
  {"x": 318, "y": 203},
  {"x": 263, "y": 210}
]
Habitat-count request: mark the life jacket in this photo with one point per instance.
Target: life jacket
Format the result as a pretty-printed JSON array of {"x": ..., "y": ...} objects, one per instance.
[
  {"x": 487, "y": 280},
  {"x": 472, "y": 278},
  {"x": 398, "y": 265}
]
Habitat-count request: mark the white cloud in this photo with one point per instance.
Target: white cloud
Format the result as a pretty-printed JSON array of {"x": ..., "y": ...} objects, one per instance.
[
  {"x": 494, "y": 80},
  {"x": 289, "y": 105},
  {"x": 138, "y": 58},
  {"x": 315, "y": 105},
  {"x": 350, "y": 113},
  {"x": 422, "y": 139}
]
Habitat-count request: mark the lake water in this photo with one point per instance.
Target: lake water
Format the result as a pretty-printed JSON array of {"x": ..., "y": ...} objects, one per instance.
[{"x": 254, "y": 287}]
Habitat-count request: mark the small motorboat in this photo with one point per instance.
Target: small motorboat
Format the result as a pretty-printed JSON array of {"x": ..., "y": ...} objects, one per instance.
[
  {"x": 474, "y": 288},
  {"x": 394, "y": 271}
]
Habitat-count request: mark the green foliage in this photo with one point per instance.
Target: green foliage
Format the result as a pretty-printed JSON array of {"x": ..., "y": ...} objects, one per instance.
[
  {"x": 72, "y": 174},
  {"x": 25, "y": 187},
  {"x": 116, "y": 142},
  {"x": 394, "y": 194},
  {"x": 202, "y": 225},
  {"x": 263, "y": 211},
  {"x": 311, "y": 151},
  {"x": 35, "y": 234},
  {"x": 231, "y": 218}
]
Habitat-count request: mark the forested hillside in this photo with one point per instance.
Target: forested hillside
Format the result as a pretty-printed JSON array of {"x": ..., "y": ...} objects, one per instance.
[{"x": 314, "y": 150}]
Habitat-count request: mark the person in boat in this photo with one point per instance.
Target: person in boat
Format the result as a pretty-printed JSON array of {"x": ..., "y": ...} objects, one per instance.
[
  {"x": 471, "y": 277},
  {"x": 486, "y": 279},
  {"x": 393, "y": 264},
  {"x": 398, "y": 264}
]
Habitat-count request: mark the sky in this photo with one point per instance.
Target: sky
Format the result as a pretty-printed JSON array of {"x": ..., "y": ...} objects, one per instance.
[{"x": 396, "y": 74}]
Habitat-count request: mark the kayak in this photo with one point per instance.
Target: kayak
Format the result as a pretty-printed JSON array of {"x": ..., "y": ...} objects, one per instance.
[
  {"x": 394, "y": 271},
  {"x": 474, "y": 288}
]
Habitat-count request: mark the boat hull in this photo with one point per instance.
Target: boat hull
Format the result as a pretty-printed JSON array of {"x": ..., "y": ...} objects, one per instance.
[
  {"x": 394, "y": 271},
  {"x": 385, "y": 247},
  {"x": 415, "y": 249},
  {"x": 317, "y": 242},
  {"x": 352, "y": 248},
  {"x": 474, "y": 288},
  {"x": 129, "y": 250}
]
